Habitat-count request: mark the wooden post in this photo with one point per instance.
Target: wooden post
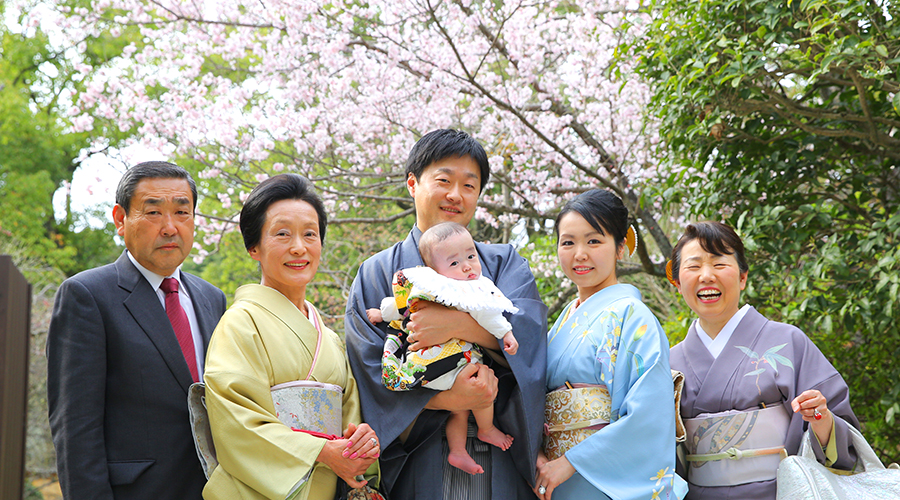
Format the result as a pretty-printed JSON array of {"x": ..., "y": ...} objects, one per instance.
[{"x": 15, "y": 320}]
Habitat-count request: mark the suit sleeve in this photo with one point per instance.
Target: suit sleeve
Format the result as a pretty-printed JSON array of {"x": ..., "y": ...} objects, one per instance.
[{"x": 76, "y": 388}]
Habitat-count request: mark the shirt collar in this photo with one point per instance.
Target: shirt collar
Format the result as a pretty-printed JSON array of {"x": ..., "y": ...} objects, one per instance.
[{"x": 154, "y": 279}]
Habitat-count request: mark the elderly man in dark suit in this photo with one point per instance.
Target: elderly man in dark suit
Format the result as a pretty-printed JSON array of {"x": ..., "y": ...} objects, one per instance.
[{"x": 125, "y": 343}]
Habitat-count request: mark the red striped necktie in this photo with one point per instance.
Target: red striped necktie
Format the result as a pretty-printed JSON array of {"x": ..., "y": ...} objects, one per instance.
[{"x": 180, "y": 324}]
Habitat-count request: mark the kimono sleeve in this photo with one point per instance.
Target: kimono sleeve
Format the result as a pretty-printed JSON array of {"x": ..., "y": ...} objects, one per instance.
[
  {"x": 389, "y": 413},
  {"x": 814, "y": 371},
  {"x": 634, "y": 456},
  {"x": 252, "y": 445},
  {"x": 520, "y": 409}
]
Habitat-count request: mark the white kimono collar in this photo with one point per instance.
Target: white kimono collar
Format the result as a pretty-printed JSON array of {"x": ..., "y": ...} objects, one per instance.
[{"x": 716, "y": 345}]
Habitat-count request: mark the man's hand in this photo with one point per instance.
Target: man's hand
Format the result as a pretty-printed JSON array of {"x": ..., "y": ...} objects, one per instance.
[
  {"x": 434, "y": 324},
  {"x": 475, "y": 388}
]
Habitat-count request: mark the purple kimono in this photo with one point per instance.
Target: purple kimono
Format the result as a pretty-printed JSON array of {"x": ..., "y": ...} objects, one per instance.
[{"x": 740, "y": 380}]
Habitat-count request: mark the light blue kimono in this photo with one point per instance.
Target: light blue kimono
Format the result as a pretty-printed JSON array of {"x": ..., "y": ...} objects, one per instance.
[{"x": 613, "y": 339}]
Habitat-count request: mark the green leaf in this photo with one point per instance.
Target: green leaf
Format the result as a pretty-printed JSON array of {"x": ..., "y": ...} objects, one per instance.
[
  {"x": 896, "y": 102},
  {"x": 755, "y": 372},
  {"x": 748, "y": 352},
  {"x": 639, "y": 361},
  {"x": 882, "y": 51}
]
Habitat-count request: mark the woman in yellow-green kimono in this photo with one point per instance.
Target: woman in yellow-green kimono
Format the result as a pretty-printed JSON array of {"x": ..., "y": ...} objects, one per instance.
[{"x": 271, "y": 336}]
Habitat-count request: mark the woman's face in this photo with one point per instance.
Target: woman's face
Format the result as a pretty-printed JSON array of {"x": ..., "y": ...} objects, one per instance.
[
  {"x": 587, "y": 256},
  {"x": 289, "y": 247},
  {"x": 710, "y": 284}
]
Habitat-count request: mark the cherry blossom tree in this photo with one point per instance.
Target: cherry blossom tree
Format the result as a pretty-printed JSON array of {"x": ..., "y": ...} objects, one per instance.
[{"x": 238, "y": 90}]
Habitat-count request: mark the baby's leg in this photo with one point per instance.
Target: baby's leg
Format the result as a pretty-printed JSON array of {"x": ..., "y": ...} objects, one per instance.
[
  {"x": 486, "y": 430},
  {"x": 457, "y": 425}
]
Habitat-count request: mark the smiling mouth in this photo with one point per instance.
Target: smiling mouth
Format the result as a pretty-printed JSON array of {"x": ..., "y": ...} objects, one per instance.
[
  {"x": 297, "y": 266},
  {"x": 582, "y": 270},
  {"x": 708, "y": 295},
  {"x": 451, "y": 210}
]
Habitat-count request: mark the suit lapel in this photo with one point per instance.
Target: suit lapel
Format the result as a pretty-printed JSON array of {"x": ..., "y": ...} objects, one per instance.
[
  {"x": 203, "y": 309},
  {"x": 143, "y": 305}
]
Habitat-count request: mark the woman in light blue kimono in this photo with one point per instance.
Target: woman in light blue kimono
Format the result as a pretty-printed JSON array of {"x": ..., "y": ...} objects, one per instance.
[{"x": 610, "y": 408}]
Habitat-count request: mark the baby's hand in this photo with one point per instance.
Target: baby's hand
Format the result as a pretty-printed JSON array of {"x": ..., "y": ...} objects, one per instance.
[
  {"x": 510, "y": 344},
  {"x": 374, "y": 316}
]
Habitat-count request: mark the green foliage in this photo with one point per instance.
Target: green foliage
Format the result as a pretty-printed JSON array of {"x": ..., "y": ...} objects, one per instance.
[{"x": 782, "y": 119}]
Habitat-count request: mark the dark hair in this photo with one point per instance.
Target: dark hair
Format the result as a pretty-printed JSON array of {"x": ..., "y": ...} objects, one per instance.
[
  {"x": 274, "y": 189},
  {"x": 150, "y": 170},
  {"x": 436, "y": 234},
  {"x": 446, "y": 143},
  {"x": 603, "y": 210},
  {"x": 714, "y": 237}
]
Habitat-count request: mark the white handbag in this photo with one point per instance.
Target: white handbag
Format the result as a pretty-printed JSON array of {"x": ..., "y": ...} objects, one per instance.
[{"x": 802, "y": 477}]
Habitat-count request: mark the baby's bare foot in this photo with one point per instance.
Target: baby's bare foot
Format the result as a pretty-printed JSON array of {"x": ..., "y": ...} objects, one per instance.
[
  {"x": 464, "y": 462},
  {"x": 496, "y": 437}
]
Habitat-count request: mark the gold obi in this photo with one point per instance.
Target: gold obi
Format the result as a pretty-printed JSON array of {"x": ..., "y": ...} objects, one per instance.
[{"x": 571, "y": 415}]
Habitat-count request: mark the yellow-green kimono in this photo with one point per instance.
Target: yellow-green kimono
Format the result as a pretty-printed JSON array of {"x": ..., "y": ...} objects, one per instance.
[{"x": 264, "y": 340}]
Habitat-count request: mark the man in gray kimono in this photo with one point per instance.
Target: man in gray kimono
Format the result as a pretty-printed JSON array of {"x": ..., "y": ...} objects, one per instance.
[{"x": 446, "y": 172}]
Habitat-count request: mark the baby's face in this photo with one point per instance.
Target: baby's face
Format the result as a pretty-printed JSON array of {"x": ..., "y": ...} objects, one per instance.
[{"x": 456, "y": 258}]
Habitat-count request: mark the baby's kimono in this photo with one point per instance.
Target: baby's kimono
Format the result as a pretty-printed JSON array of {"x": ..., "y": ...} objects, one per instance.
[{"x": 437, "y": 367}]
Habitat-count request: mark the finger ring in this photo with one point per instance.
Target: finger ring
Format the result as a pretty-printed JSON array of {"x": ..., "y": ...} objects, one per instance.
[
  {"x": 374, "y": 442},
  {"x": 542, "y": 490},
  {"x": 817, "y": 415}
]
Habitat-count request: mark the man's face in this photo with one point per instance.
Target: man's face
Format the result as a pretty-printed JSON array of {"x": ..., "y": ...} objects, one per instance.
[
  {"x": 159, "y": 226},
  {"x": 446, "y": 191}
]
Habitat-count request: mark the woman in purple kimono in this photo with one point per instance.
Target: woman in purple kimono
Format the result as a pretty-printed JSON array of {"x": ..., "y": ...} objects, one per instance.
[{"x": 752, "y": 385}]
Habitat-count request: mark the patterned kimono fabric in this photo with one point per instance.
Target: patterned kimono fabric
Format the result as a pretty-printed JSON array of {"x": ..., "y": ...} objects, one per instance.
[
  {"x": 763, "y": 362},
  {"x": 264, "y": 340},
  {"x": 613, "y": 340},
  {"x": 437, "y": 367}
]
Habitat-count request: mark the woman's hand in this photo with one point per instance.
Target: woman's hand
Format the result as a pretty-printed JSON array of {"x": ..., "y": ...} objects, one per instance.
[
  {"x": 361, "y": 442},
  {"x": 551, "y": 474},
  {"x": 346, "y": 468},
  {"x": 809, "y": 404},
  {"x": 351, "y": 456}
]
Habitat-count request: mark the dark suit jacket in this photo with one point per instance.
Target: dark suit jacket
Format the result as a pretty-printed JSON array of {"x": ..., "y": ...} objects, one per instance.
[{"x": 117, "y": 386}]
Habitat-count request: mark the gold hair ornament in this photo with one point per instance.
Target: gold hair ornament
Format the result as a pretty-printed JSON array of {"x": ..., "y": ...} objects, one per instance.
[
  {"x": 669, "y": 275},
  {"x": 631, "y": 240}
]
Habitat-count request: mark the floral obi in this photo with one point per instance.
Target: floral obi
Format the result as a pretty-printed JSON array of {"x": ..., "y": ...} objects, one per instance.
[
  {"x": 572, "y": 415},
  {"x": 309, "y": 406}
]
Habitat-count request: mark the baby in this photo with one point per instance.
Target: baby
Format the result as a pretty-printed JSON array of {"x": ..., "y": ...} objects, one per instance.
[{"x": 453, "y": 279}]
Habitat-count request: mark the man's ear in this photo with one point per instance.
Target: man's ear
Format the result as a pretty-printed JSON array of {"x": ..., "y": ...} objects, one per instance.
[
  {"x": 411, "y": 183},
  {"x": 118, "y": 215},
  {"x": 254, "y": 252}
]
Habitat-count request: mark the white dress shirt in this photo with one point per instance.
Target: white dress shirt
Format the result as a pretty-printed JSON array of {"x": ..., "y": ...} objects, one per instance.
[{"x": 155, "y": 281}]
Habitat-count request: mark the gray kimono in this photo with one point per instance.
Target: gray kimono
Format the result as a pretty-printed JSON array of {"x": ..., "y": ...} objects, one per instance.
[
  {"x": 413, "y": 468},
  {"x": 738, "y": 380}
]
